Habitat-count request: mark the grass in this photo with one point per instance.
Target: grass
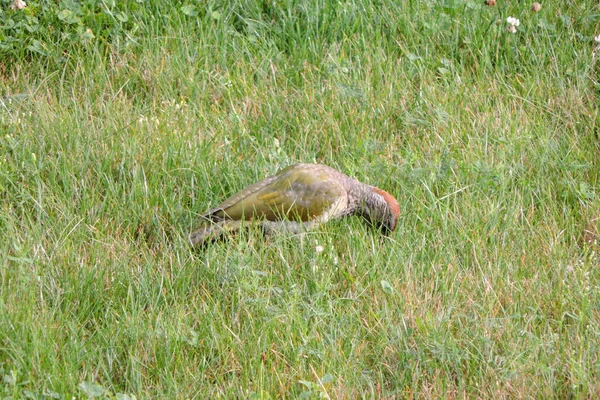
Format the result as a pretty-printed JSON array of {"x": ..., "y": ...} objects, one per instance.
[{"x": 109, "y": 150}]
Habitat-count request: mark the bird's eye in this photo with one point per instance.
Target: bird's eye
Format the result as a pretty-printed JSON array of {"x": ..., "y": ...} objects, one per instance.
[{"x": 385, "y": 228}]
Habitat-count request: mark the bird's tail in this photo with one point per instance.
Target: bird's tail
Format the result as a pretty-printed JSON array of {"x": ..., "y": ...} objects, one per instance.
[{"x": 210, "y": 230}]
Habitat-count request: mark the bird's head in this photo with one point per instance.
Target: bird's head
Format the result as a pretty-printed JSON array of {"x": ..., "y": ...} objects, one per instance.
[
  {"x": 381, "y": 209},
  {"x": 389, "y": 218}
]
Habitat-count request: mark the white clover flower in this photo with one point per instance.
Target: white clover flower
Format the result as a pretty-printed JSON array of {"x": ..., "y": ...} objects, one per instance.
[
  {"x": 597, "y": 39},
  {"x": 512, "y": 24},
  {"x": 513, "y": 21},
  {"x": 18, "y": 5},
  {"x": 319, "y": 249}
]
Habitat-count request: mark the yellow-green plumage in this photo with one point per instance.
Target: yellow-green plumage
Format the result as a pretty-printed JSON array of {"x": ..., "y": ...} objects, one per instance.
[{"x": 307, "y": 193}]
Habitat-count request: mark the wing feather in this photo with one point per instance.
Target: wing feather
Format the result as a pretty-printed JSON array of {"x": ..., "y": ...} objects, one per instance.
[{"x": 299, "y": 192}]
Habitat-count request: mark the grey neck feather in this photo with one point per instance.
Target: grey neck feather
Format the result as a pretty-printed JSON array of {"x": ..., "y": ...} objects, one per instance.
[{"x": 363, "y": 201}]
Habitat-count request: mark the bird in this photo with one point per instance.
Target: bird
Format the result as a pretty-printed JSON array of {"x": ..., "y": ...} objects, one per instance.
[{"x": 297, "y": 199}]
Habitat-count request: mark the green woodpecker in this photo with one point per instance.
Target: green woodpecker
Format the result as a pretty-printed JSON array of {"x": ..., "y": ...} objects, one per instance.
[{"x": 295, "y": 200}]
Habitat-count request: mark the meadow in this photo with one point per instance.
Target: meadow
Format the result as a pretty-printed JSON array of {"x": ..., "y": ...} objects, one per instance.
[{"x": 122, "y": 122}]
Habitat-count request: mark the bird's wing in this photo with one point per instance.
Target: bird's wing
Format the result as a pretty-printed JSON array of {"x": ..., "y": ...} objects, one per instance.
[
  {"x": 298, "y": 192},
  {"x": 218, "y": 213}
]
